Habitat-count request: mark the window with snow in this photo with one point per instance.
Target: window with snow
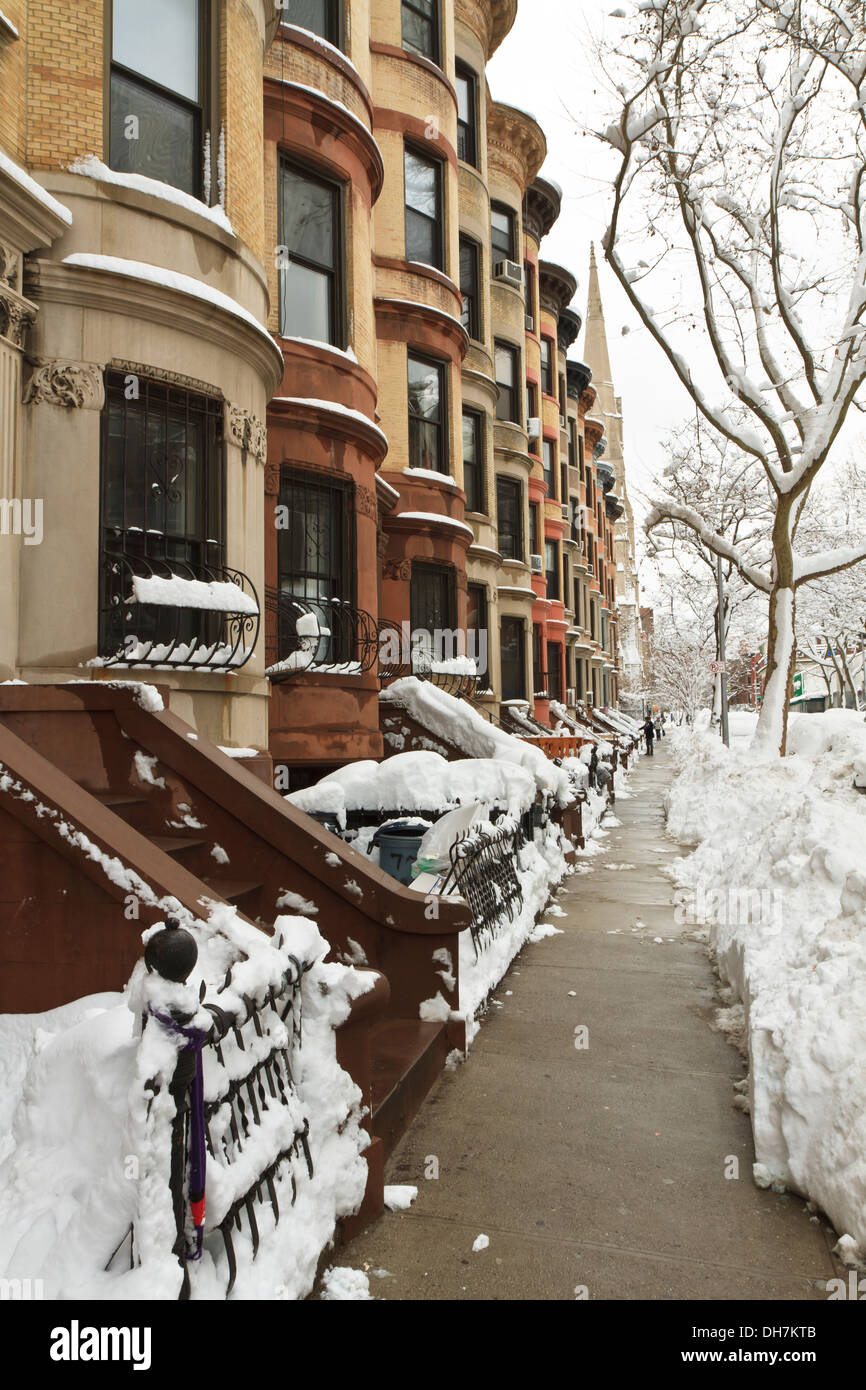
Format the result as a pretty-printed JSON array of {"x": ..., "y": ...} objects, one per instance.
[
  {"x": 163, "y": 70},
  {"x": 316, "y": 564},
  {"x": 427, "y": 414},
  {"x": 162, "y": 501},
  {"x": 311, "y": 256},
  {"x": 320, "y": 17},
  {"x": 421, "y": 25}
]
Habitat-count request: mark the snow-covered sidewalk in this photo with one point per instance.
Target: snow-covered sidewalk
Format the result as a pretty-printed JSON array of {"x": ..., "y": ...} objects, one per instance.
[{"x": 777, "y": 881}]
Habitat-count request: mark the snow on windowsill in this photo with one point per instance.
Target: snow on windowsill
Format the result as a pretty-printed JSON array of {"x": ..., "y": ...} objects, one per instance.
[
  {"x": 432, "y": 474},
  {"x": 321, "y": 43},
  {"x": 348, "y": 353},
  {"x": 215, "y": 596},
  {"x": 23, "y": 179},
  {"x": 168, "y": 279},
  {"x": 439, "y": 519},
  {"x": 334, "y": 408},
  {"x": 92, "y": 168}
]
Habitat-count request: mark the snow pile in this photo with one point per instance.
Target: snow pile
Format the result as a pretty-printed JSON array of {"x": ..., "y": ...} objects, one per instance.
[
  {"x": 217, "y": 596},
  {"x": 419, "y": 782},
  {"x": 457, "y": 721},
  {"x": 86, "y": 1157},
  {"x": 778, "y": 877}
]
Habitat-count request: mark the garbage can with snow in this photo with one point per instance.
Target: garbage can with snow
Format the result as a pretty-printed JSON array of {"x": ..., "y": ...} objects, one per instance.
[{"x": 398, "y": 842}]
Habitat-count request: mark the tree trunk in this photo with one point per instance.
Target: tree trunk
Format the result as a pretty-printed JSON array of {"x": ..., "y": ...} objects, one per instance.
[{"x": 772, "y": 732}]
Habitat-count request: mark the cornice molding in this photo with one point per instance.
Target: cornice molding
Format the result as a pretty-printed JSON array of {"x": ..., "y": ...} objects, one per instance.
[
  {"x": 557, "y": 286},
  {"x": 541, "y": 208},
  {"x": 25, "y": 221},
  {"x": 489, "y": 20},
  {"x": 516, "y": 143},
  {"x": 105, "y": 291},
  {"x": 323, "y": 114}
]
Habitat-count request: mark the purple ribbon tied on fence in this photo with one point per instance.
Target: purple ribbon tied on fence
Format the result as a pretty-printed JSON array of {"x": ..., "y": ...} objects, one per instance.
[{"x": 197, "y": 1162}]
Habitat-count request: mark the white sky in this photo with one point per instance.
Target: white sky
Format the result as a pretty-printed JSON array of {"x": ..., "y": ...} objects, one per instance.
[{"x": 546, "y": 66}]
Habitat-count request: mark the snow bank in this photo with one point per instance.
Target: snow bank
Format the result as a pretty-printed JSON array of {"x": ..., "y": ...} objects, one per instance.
[
  {"x": 457, "y": 721},
  {"x": 778, "y": 877},
  {"x": 85, "y": 1156},
  {"x": 419, "y": 781}
]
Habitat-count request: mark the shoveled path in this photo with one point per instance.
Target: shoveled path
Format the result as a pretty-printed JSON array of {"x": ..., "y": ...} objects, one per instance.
[{"x": 601, "y": 1167}]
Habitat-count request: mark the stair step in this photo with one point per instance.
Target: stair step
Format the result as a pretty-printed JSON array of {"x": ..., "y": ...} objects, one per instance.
[
  {"x": 231, "y": 889},
  {"x": 407, "y": 1056},
  {"x": 175, "y": 844},
  {"x": 115, "y": 800}
]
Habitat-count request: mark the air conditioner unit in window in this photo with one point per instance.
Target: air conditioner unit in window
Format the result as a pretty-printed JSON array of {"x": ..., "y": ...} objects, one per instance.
[
  {"x": 510, "y": 273},
  {"x": 562, "y": 424},
  {"x": 529, "y": 323},
  {"x": 536, "y": 564},
  {"x": 566, "y": 513},
  {"x": 571, "y": 696},
  {"x": 533, "y": 427}
]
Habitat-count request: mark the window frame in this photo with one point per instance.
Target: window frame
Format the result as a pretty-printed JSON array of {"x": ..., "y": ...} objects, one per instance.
[
  {"x": 207, "y": 107},
  {"x": 436, "y": 27},
  {"x": 464, "y": 73},
  {"x": 475, "y": 326},
  {"x": 511, "y": 254},
  {"x": 336, "y": 24},
  {"x": 444, "y": 573},
  {"x": 479, "y": 423},
  {"x": 502, "y": 345},
  {"x": 337, "y": 295},
  {"x": 547, "y": 356},
  {"x": 409, "y": 147},
  {"x": 505, "y": 485},
  {"x": 441, "y": 425},
  {"x": 519, "y": 625},
  {"x": 548, "y": 450}
]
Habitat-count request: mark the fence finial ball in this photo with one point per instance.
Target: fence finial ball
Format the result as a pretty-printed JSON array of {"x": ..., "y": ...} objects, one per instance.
[{"x": 172, "y": 952}]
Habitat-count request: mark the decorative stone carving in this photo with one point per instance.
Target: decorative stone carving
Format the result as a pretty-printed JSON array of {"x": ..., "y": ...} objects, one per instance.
[
  {"x": 272, "y": 480},
  {"x": 247, "y": 431},
  {"x": 16, "y": 315},
  {"x": 398, "y": 569},
  {"x": 381, "y": 545},
  {"x": 189, "y": 383},
  {"x": 366, "y": 503},
  {"x": 8, "y": 265},
  {"x": 71, "y": 385}
]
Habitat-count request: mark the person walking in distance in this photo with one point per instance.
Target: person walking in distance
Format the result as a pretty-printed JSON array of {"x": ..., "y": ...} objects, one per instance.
[{"x": 649, "y": 734}]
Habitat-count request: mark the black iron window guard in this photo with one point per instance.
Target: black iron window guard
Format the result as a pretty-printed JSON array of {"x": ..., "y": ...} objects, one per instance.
[
  {"x": 176, "y": 614},
  {"x": 398, "y": 658},
  {"x": 319, "y": 636}
]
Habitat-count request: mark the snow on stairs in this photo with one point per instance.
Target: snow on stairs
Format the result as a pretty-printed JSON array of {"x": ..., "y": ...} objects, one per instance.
[{"x": 151, "y": 796}]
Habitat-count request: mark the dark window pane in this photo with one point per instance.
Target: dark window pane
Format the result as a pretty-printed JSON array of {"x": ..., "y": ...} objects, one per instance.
[
  {"x": 469, "y": 287},
  {"x": 425, "y": 386},
  {"x": 422, "y": 199},
  {"x": 509, "y": 510},
  {"x": 421, "y": 239},
  {"x": 307, "y": 217},
  {"x": 512, "y": 659},
  {"x": 432, "y": 598},
  {"x": 502, "y": 233},
  {"x": 167, "y": 143},
  {"x": 318, "y": 16},
  {"x": 466, "y": 123},
  {"x": 421, "y": 184},
  {"x": 473, "y": 471},
  {"x": 420, "y": 27},
  {"x": 506, "y": 380}
]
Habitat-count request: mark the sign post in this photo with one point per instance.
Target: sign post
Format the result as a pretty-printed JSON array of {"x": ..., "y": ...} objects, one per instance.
[{"x": 726, "y": 738}]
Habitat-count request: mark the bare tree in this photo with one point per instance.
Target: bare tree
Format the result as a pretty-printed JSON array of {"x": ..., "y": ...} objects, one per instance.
[
  {"x": 678, "y": 671},
  {"x": 740, "y": 197}
]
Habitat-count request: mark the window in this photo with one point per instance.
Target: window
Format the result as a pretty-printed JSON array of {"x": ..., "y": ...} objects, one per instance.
[
  {"x": 529, "y": 286},
  {"x": 502, "y": 238},
  {"x": 421, "y": 28},
  {"x": 547, "y": 366},
  {"x": 563, "y": 480},
  {"x": 470, "y": 286},
  {"x": 537, "y": 658},
  {"x": 315, "y": 560},
  {"x": 548, "y": 467},
  {"x": 160, "y": 91},
  {"x": 507, "y": 377},
  {"x": 512, "y": 658},
  {"x": 473, "y": 461},
  {"x": 319, "y": 16},
  {"x": 311, "y": 256},
  {"x": 533, "y": 529},
  {"x": 433, "y": 607},
  {"x": 476, "y": 625},
  {"x": 427, "y": 415},
  {"x": 551, "y": 568},
  {"x": 162, "y": 500},
  {"x": 580, "y": 458},
  {"x": 509, "y": 518},
  {"x": 554, "y": 671},
  {"x": 467, "y": 119},
  {"x": 572, "y": 444},
  {"x": 423, "y": 195},
  {"x": 532, "y": 413}
]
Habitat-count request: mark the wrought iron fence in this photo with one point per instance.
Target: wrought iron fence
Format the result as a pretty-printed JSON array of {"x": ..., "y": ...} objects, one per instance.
[
  {"x": 236, "y": 1106},
  {"x": 322, "y": 634},
  {"x": 175, "y": 613},
  {"x": 484, "y": 871},
  {"x": 399, "y": 658}
]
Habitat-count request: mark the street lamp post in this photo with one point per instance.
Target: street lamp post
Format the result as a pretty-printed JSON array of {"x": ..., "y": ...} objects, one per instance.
[{"x": 723, "y": 674}]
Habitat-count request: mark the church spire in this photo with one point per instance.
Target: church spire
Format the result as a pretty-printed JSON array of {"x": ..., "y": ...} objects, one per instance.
[{"x": 595, "y": 351}]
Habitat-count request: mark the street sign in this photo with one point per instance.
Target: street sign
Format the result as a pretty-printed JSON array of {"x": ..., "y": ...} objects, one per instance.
[
  {"x": 798, "y": 683},
  {"x": 718, "y": 668}
]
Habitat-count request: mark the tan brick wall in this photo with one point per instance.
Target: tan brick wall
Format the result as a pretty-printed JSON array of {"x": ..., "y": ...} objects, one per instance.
[
  {"x": 13, "y": 70},
  {"x": 242, "y": 113},
  {"x": 65, "y": 79}
]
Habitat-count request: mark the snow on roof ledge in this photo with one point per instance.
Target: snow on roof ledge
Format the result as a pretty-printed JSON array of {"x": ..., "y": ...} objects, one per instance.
[
  {"x": 92, "y": 168},
  {"x": 23, "y": 179}
]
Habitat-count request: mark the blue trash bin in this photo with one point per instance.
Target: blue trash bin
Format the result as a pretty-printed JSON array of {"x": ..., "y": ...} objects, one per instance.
[{"x": 398, "y": 842}]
